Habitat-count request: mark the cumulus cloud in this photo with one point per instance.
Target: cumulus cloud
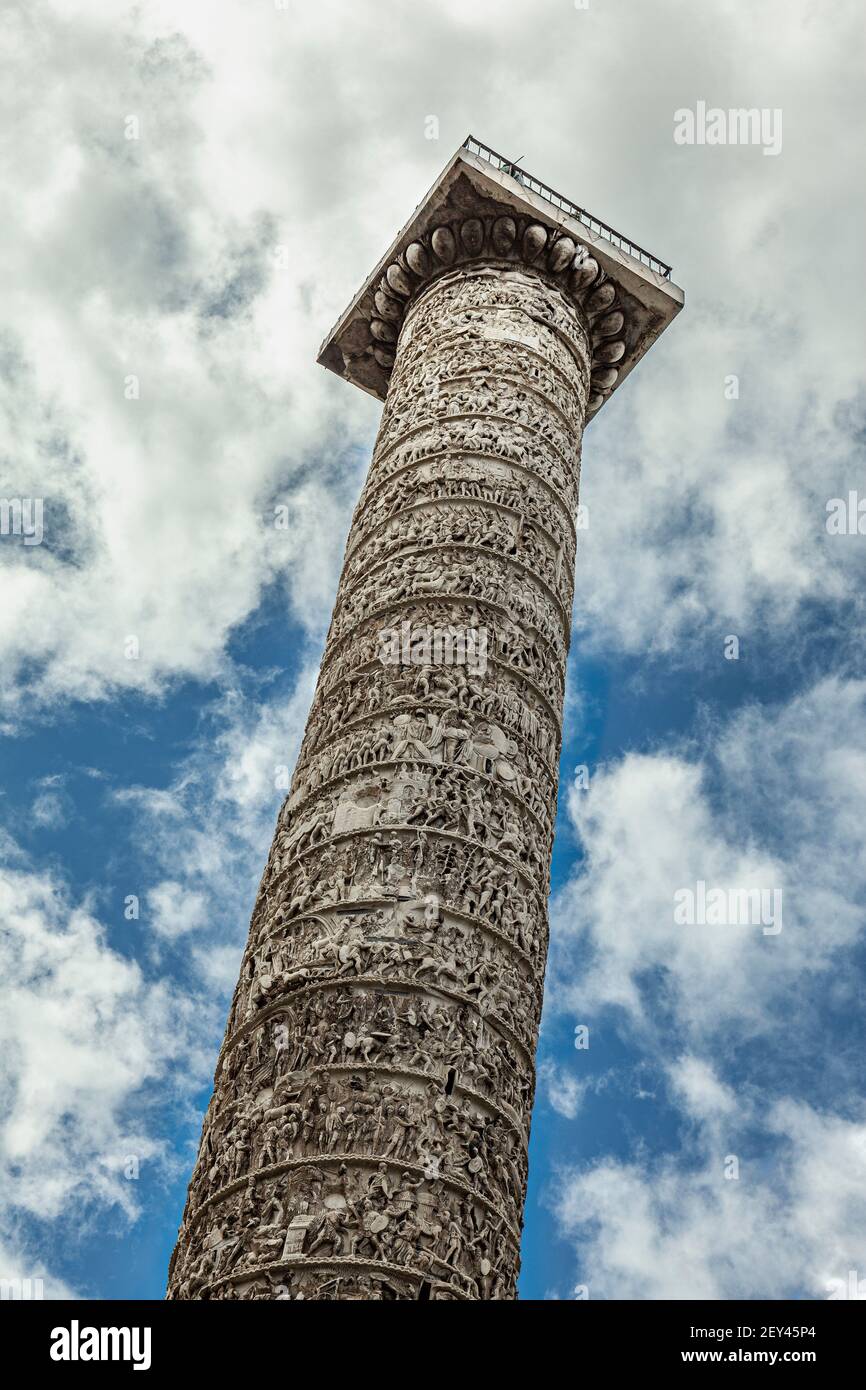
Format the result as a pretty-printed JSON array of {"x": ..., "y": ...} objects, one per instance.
[
  {"x": 786, "y": 1224},
  {"x": 210, "y": 829},
  {"x": 160, "y": 387},
  {"x": 85, "y": 1037},
  {"x": 25, "y": 1276},
  {"x": 734, "y": 1016},
  {"x": 198, "y": 193},
  {"x": 700, "y": 1091},
  {"x": 160, "y": 391},
  {"x": 174, "y": 910},
  {"x": 562, "y": 1089},
  {"x": 775, "y": 806}
]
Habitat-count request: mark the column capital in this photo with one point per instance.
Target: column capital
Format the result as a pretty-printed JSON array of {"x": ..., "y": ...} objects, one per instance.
[{"x": 480, "y": 213}]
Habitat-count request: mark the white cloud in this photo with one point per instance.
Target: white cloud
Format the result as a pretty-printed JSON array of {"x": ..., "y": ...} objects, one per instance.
[
  {"x": 27, "y": 1277},
  {"x": 48, "y": 810},
  {"x": 84, "y": 1039},
  {"x": 128, "y": 262},
  {"x": 701, "y": 1092},
  {"x": 731, "y": 1015},
  {"x": 206, "y": 837},
  {"x": 174, "y": 910},
  {"x": 561, "y": 1088},
  {"x": 154, "y": 258},
  {"x": 678, "y": 1228},
  {"x": 776, "y": 805}
]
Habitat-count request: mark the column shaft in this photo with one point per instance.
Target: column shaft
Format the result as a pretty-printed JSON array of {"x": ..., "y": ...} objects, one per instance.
[{"x": 367, "y": 1136}]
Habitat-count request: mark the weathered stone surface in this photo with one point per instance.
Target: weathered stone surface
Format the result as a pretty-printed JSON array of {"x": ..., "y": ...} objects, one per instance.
[
  {"x": 476, "y": 211},
  {"x": 367, "y": 1136}
]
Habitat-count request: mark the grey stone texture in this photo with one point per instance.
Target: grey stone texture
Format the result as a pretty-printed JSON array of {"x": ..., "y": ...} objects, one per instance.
[{"x": 367, "y": 1136}]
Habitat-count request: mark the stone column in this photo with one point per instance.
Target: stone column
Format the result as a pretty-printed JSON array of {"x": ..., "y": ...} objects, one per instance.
[{"x": 367, "y": 1137}]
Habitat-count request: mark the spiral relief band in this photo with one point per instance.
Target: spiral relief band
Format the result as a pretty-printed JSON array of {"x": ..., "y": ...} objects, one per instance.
[{"x": 368, "y": 1132}]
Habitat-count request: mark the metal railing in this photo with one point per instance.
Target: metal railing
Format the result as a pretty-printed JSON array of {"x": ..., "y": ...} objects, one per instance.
[{"x": 566, "y": 205}]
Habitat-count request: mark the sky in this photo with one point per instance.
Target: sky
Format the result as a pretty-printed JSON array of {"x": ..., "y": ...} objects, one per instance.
[{"x": 192, "y": 194}]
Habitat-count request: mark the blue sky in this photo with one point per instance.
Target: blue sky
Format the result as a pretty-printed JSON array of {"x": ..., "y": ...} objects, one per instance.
[{"x": 203, "y": 260}]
